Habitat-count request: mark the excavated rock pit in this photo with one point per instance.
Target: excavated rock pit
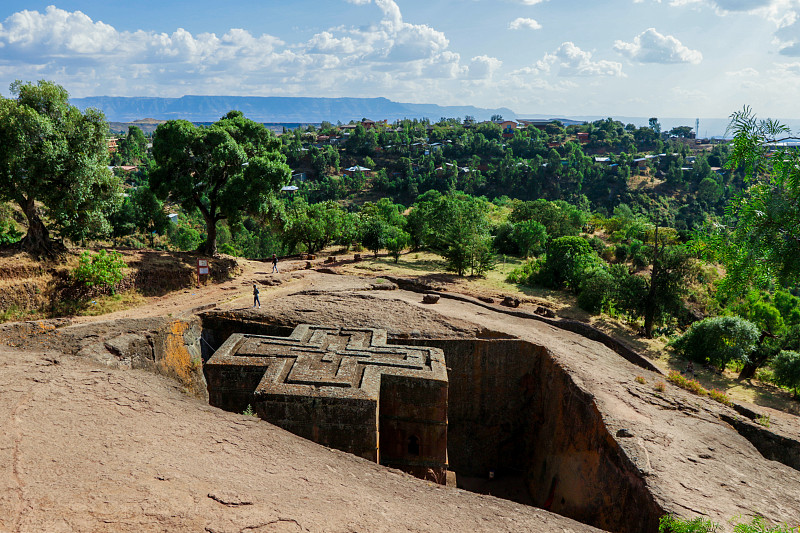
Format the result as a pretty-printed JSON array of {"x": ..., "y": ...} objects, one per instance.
[{"x": 518, "y": 428}]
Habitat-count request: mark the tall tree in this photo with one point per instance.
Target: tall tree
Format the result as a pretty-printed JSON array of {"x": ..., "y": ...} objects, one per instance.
[
  {"x": 667, "y": 282},
  {"x": 224, "y": 170},
  {"x": 54, "y": 165},
  {"x": 759, "y": 241}
]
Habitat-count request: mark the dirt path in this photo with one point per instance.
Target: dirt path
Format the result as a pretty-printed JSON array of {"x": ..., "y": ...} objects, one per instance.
[{"x": 236, "y": 293}]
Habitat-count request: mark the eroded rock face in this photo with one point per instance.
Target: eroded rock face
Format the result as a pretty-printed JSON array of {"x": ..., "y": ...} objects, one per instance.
[
  {"x": 513, "y": 410},
  {"x": 84, "y": 447}
]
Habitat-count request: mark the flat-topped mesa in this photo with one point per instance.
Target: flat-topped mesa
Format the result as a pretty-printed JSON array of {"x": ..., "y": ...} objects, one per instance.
[{"x": 343, "y": 388}]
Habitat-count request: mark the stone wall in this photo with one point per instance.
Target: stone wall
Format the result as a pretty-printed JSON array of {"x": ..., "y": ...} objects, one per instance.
[
  {"x": 413, "y": 425},
  {"x": 513, "y": 409},
  {"x": 488, "y": 401}
]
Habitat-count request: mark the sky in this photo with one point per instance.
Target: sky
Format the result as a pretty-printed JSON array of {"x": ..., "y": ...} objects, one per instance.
[{"x": 671, "y": 58}]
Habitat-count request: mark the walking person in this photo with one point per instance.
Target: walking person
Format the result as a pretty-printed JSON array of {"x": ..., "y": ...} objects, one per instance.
[
  {"x": 256, "y": 301},
  {"x": 274, "y": 263}
]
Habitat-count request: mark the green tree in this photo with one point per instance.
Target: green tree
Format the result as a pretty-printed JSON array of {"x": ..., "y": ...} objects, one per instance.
[
  {"x": 132, "y": 149},
  {"x": 455, "y": 226},
  {"x": 786, "y": 367},
  {"x": 568, "y": 259},
  {"x": 314, "y": 225},
  {"x": 397, "y": 241},
  {"x": 55, "y": 156},
  {"x": 718, "y": 340},
  {"x": 655, "y": 125},
  {"x": 759, "y": 239},
  {"x": 374, "y": 233},
  {"x": 530, "y": 236},
  {"x": 667, "y": 282},
  {"x": 559, "y": 218},
  {"x": 224, "y": 170}
]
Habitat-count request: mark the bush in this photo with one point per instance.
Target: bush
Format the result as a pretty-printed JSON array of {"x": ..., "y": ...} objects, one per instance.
[
  {"x": 692, "y": 385},
  {"x": 670, "y": 524},
  {"x": 568, "y": 259},
  {"x": 186, "y": 239},
  {"x": 720, "y": 397},
  {"x": 530, "y": 237},
  {"x": 786, "y": 369},
  {"x": 596, "y": 288},
  {"x": 8, "y": 233},
  {"x": 102, "y": 269},
  {"x": 718, "y": 340},
  {"x": 526, "y": 273}
]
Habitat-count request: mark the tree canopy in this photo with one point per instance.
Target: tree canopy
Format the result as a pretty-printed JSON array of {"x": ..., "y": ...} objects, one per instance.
[
  {"x": 223, "y": 170},
  {"x": 55, "y": 156},
  {"x": 759, "y": 241}
]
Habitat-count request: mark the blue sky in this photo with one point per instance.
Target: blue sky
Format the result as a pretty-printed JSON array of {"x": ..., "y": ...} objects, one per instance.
[{"x": 678, "y": 58}]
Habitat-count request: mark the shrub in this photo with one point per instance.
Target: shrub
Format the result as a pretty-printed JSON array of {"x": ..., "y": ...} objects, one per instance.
[
  {"x": 8, "y": 233},
  {"x": 102, "y": 269},
  {"x": 640, "y": 380},
  {"x": 692, "y": 385},
  {"x": 660, "y": 386},
  {"x": 720, "y": 396},
  {"x": 597, "y": 244},
  {"x": 764, "y": 420},
  {"x": 759, "y": 525},
  {"x": 596, "y": 287},
  {"x": 186, "y": 239},
  {"x": 786, "y": 369},
  {"x": 670, "y": 524},
  {"x": 568, "y": 259},
  {"x": 526, "y": 273},
  {"x": 718, "y": 340}
]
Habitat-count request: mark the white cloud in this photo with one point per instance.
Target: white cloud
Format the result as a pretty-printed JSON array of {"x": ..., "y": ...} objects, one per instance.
[
  {"x": 781, "y": 12},
  {"x": 747, "y": 72},
  {"x": 653, "y": 47},
  {"x": 530, "y": 2},
  {"x": 570, "y": 60},
  {"x": 522, "y": 22},
  {"x": 91, "y": 57},
  {"x": 483, "y": 67}
]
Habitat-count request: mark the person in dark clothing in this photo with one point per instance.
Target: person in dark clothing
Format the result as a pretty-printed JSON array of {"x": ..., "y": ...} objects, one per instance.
[
  {"x": 256, "y": 301},
  {"x": 274, "y": 263}
]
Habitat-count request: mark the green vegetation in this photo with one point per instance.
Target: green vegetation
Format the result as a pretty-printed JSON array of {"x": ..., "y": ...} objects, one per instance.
[
  {"x": 640, "y": 224},
  {"x": 718, "y": 341},
  {"x": 763, "y": 420},
  {"x": 101, "y": 269},
  {"x": 53, "y": 166},
  {"x": 222, "y": 170},
  {"x": 670, "y": 524},
  {"x": 786, "y": 368},
  {"x": 693, "y": 386}
]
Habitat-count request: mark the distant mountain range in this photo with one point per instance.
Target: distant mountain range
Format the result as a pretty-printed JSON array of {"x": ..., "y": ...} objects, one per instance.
[
  {"x": 275, "y": 109},
  {"x": 295, "y": 111}
]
